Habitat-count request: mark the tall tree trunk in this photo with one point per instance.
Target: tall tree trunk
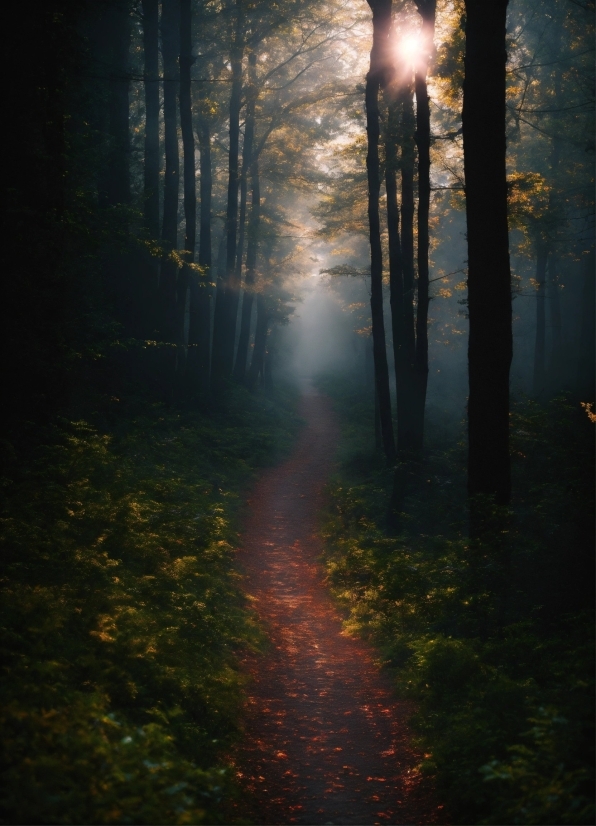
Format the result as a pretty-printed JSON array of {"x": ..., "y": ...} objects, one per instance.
[
  {"x": 121, "y": 268},
  {"x": 406, "y": 428},
  {"x": 587, "y": 344},
  {"x": 258, "y": 353},
  {"x": 381, "y": 11},
  {"x": 489, "y": 277},
  {"x": 199, "y": 333},
  {"x": 170, "y": 36},
  {"x": 225, "y": 330},
  {"x": 218, "y": 312},
  {"x": 396, "y": 278},
  {"x": 151, "y": 168},
  {"x": 540, "y": 340},
  {"x": 118, "y": 166},
  {"x": 248, "y": 162},
  {"x": 556, "y": 377},
  {"x": 150, "y": 267},
  {"x": 427, "y": 10},
  {"x": 185, "y": 274}
]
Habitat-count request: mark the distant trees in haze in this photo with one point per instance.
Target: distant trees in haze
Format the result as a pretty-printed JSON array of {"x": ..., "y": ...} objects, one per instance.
[
  {"x": 197, "y": 135},
  {"x": 181, "y": 101}
]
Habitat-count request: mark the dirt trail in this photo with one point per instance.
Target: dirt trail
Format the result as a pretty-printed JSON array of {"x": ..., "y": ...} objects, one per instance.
[{"x": 326, "y": 741}]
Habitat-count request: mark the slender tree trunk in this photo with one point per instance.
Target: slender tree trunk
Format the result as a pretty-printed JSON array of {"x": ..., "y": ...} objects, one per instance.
[
  {"x": 381, "y": 10},
  {"x": 427, "y": 10},
  {"x": 121, "y": 267},
  {"x": 408, "y": 159},
  {"x": 170, "y": 34},
  {"x": 185, "y": 274},
  {"x": 247, "y": 163},
  {"x": 586, "y": 368},
  {"x": 556, "y": 377},
  {"x": 150, "y": 267},
  {"x": 396, "y": 281},
  {"x": 118, "y": 166},
  {"x": 219, "y": 312},
  {"x": 225, "y": 329},
  {"x": 268, "y": 363},
  {"x": 151, "y": 168},
  {"x": 199, "y": 333},
  {"x": 540, "y": 341},
  {"x": 247, "y": 149},
  {"x": 378, "y": 436},
  {"x": 489, "y": 277},
  {"x": 258, "y": 355},
  {"x": 251, "y": 263}
]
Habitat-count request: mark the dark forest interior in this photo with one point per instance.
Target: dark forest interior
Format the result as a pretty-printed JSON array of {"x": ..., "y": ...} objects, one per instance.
[{"x": 213, "y": 208}]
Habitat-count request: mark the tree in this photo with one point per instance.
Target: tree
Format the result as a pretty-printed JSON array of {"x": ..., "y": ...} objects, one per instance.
[
  {"x": 381, "y": 10},
  {"x": 489, "y": 277},
  {"x": 199, "y": 333},
  {"x": 427, "y": 10},
  {"x": 250, "y": 163},
  {"x": 186, "y": 274},
  {"x": 225, "y": 315},
  {"x": 151, "y": 167},
  {"x": 170, "y": 38}
]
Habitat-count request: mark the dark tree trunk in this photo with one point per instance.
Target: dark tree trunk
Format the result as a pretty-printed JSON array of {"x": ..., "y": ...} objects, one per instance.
[
  {"x": 118, "y": 166},
  {"x": 219, "y": 312},
  {"x": 225, "y": 332},
  {"x": 489, "y": 277},
  {"x": 427, "y": 10},
  {"x": 199, "y": 334},
  {"x": 170, "y": 36},
  {"x": 396, "y": 281},
  {"x": 540, "y": 340},
  {"x": 121, "y": 267},
  {"x": 185, "y": 274},
  {"x": 258, "y": 354},
  {"x": 556, "y": 377},
  {"x": 151, "y": 169},
  {"x": 381, "y": 10},
  {"x": 248, "y": 162},
  {"x": 407, "y": 425},
  {"x": 586, "y": 367},
  {"x": 150, "y": 265}
]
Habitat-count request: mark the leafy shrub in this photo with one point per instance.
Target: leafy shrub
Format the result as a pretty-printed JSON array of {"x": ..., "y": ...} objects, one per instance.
[
  {"x": 500, "y": 669},
  {"x": 122, "y": 618}
]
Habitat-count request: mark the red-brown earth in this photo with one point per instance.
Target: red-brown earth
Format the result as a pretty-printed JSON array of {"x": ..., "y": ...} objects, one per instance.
[{"x": 326, "y": 741}]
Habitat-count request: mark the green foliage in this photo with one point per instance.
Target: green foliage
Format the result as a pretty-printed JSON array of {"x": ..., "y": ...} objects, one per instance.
[
  {"x": 122, "y": 618},
  {"x": 495, "y": 651}
]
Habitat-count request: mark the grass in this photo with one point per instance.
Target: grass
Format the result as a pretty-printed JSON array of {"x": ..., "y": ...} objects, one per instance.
[{"x": 494, "y": 643}]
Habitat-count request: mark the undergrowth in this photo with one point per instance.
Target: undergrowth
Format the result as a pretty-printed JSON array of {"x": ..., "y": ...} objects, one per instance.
[
  {"x": 500, "y": 665},
  {"x": 121, "y": 617}
]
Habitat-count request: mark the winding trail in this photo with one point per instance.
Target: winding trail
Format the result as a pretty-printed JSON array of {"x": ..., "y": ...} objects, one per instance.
[{"x": 325, "y": 740}]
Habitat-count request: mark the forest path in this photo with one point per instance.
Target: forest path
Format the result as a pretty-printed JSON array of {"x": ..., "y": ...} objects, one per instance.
[{"x": 325, "y": 738}]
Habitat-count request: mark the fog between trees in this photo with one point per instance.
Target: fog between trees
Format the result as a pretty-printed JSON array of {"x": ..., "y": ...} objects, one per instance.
[
  {"x": 148, "y": 120},
  {"x": 209, "y": 203}
]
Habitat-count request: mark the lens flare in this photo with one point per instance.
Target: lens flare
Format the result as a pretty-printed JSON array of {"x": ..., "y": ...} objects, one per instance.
[{"x": 409, "y": 47}]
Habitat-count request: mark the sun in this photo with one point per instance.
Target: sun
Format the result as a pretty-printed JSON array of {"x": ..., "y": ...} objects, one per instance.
[{"x": 409, "y": 47}]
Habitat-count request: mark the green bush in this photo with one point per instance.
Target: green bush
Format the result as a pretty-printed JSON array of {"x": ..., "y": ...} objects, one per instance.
[
  {"x": 122, "y": 619},
  {"x": 494, "y": 643}
]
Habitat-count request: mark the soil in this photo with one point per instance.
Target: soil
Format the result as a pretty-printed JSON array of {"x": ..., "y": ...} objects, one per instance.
[{"x": 326, "y": 741}]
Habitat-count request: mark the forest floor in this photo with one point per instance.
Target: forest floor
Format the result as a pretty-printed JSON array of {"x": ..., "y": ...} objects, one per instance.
[{"x": 326, "y": 741}]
